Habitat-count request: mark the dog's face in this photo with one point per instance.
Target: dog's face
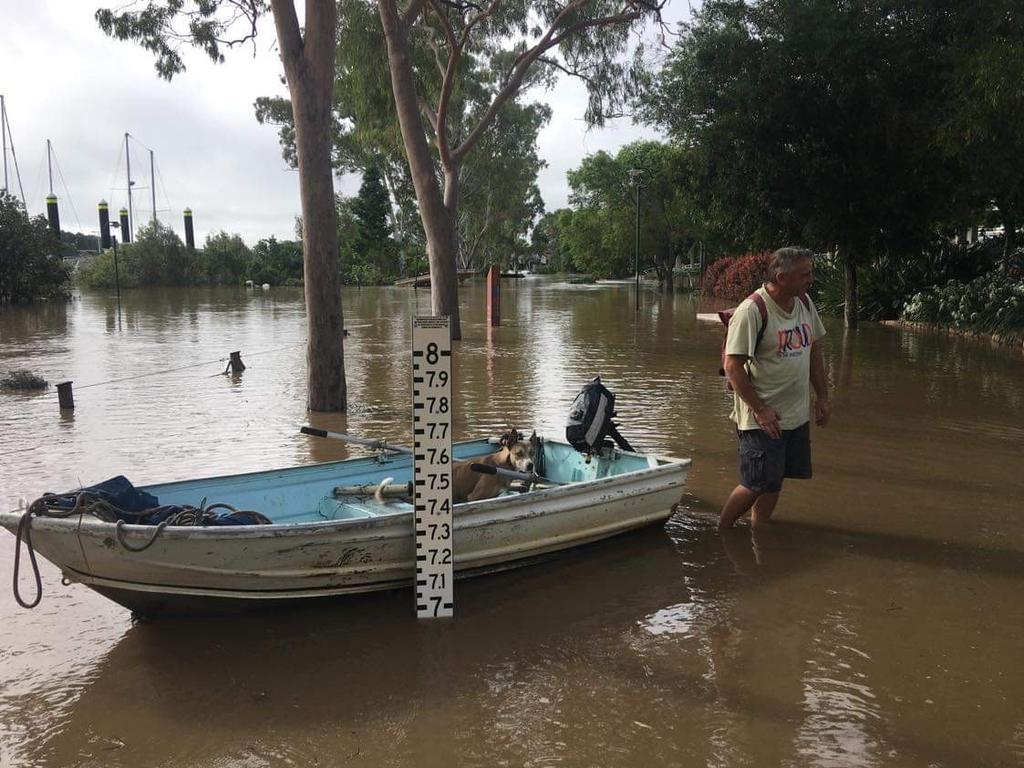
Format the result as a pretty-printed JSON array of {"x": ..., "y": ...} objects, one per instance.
[{"x": 520, "y": 452}]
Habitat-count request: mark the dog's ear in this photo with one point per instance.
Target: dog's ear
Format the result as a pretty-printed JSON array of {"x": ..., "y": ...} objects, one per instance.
[{"x": 513, "y": 437}]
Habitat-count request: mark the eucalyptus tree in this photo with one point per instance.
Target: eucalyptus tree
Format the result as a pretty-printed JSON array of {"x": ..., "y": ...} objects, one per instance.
[
  {"x": 813, "y": 121},
  {"x": 307, "y": 53},
  {"x": 497, "y": 182},
  {"x": 499, "y": 198},
  {"x": 521, "y": 41}
]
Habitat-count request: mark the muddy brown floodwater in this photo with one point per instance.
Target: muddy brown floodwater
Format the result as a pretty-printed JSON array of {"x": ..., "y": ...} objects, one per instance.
[{"x": 880, "y": 622}]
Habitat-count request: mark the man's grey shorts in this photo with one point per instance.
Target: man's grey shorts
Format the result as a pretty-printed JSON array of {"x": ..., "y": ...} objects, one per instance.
[{"x": 765, "y": 461}]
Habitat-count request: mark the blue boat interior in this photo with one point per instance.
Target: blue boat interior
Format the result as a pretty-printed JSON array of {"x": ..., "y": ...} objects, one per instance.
[{"x": 306, "y": 494}]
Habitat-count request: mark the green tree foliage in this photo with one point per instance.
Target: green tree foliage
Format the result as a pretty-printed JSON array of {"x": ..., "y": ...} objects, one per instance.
[
  {"x": 983, "y": 132},
  {"x": 497, "y": 193},
  {"x": 438, "y": 52},
  {"x": 31, "y": 266},
  {"x": 372, "y": 256},
  {"x": 81, "y": 241},
  {"x": 224, "y": 260},
  {"x": 548, "y": 242},
  {"x": 276, "y": 262},
  {"x": 602, "y": 231},
  {"x": 813, "y": 121},
  {"x": 157, "y": 257},
  {"x": 499, "y": 197}
]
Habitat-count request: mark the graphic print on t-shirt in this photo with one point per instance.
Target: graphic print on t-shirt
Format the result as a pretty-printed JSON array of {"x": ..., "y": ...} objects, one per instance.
[{"x": 793, "y": 341}]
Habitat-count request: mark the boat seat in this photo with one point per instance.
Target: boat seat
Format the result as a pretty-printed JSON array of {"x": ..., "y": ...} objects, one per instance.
[{"x": 337, "y": 509}]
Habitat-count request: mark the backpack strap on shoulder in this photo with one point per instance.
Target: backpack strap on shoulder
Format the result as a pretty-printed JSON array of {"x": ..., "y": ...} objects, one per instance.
[{"x": 762, "y": 310}]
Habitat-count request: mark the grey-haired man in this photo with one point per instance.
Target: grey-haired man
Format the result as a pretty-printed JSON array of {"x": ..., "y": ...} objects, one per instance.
[{"x": 773, "y": 359}]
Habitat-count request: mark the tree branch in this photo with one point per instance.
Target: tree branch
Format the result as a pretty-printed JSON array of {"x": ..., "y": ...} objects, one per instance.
[
  {"x": 517, "y": 73},
  {"x": 554, "y": 63},
  {"x": 447, "y": 84},
  {"x": 288, "y": 34},
  {"x": 482, "y": 16},
  {"x": 411, "y": 12},
  {"x": 428, "y": 112}
]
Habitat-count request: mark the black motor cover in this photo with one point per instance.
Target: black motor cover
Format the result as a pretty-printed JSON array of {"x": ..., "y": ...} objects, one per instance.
[{"x": 590, "y": 418}]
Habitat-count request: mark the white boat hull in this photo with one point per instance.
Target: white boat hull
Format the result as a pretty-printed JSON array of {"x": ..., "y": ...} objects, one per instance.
[{"x": 262, "y": 563}]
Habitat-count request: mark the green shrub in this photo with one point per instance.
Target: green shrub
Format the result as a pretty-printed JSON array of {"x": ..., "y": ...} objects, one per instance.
[
  {"x": 990, "y": 304},
  {"x": 23, "y": 381},
  {"x": 31, "y": 263}
]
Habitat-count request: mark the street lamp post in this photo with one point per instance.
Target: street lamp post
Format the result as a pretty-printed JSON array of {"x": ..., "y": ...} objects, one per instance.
[{"x": 634, "y": 179}]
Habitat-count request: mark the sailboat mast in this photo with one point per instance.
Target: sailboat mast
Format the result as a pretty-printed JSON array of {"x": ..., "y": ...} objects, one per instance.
[
  {"x": 152, "y": 185},
  {"x": 49, "y": 166},
  {"x": 3, "y": 127},
  {"x": 131, "y": 212}
]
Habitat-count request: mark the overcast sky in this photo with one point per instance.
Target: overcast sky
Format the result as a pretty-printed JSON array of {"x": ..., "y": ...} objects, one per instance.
[{"x": 64, "y": 80}]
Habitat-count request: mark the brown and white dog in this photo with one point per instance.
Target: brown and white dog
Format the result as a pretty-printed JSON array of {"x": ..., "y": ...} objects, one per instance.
[{"x": 515, "y": 453}]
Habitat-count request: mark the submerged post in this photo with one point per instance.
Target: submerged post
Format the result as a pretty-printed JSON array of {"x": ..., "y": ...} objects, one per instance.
[
  {"x": 65, "y": 396},
  {"x": 235, "y": 364},
  {"x": 494, "y": 296}
]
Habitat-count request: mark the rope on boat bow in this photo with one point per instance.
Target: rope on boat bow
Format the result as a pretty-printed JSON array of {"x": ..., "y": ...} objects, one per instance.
[
  {"x": 25, "y": 532},
  {"x": 90, "y": 504}
]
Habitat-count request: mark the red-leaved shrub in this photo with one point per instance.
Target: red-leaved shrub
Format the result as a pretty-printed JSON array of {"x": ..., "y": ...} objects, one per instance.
[
  {"x": 736, "y": 277},
  {"x": 714, "y": 273}
]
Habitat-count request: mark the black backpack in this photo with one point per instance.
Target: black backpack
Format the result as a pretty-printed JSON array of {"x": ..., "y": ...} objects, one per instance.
[{"x": 590, "y": 419}]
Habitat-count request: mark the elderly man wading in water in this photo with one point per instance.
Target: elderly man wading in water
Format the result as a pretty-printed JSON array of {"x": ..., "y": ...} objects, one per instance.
[{"x": 773, "y": 358}]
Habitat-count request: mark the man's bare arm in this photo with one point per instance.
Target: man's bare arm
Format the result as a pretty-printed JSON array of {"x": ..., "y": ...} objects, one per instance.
[{"x": 766, "y": 416}]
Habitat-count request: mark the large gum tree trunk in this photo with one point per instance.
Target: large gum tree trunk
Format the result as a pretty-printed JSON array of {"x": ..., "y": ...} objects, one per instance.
[
  {"x": 437, "y": 218},
  {"x": 309, "y": 71}
]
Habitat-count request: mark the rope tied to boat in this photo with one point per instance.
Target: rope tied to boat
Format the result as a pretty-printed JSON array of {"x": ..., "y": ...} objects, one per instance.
[{"x": 87, "y": 503}]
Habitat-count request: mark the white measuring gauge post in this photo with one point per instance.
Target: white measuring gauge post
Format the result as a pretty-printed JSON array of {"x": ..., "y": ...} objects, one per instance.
[{"x": 432, "y": 465}]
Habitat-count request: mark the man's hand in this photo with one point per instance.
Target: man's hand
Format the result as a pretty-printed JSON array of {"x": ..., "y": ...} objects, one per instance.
[
  {"x": 822, "y": 412},
  {"x": 768, "y": 419}
]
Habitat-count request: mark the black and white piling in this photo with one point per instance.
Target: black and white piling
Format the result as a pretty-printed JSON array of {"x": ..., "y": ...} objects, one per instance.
[
  {"x": 126, "y": 230},
  {"x": 190, "y": 235},
  {"x": 52, "y": 214},
  {"x": 104, "y": 211}
]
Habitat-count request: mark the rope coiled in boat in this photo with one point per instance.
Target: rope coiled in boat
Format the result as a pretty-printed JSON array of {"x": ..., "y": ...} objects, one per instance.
[{"x": 90, "y": 504}]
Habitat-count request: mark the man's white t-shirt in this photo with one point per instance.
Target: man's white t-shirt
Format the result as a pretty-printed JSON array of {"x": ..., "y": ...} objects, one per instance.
[{"x": 780, "y": 368}]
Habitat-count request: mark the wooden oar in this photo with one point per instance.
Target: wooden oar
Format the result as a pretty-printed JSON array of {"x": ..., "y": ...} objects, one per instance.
[{"x": 376, "y": 445}]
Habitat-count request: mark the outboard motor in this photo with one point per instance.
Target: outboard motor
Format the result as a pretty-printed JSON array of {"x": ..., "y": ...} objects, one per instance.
[{"x": 590, "y": 419}]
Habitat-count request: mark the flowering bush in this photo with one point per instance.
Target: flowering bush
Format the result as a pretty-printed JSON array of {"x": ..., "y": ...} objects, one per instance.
[{"x": 736, "y": 277}]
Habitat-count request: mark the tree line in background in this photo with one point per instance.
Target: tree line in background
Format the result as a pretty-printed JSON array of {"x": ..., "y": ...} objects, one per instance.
[
  {"x": 877, "y": 133},
  {"x": 881, "y": 134}
]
